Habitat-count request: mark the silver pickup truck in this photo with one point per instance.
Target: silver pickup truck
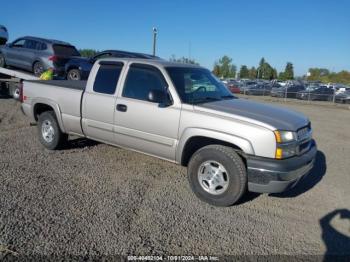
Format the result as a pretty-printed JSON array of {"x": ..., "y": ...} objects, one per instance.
[{"x": 180, "y": 113}]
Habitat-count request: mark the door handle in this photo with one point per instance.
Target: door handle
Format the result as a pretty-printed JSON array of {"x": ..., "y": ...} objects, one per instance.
[{"x": 122, "y": 108}]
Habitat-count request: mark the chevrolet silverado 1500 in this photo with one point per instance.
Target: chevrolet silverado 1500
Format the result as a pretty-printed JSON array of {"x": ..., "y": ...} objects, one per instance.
[{"x": 180, "y": 113}]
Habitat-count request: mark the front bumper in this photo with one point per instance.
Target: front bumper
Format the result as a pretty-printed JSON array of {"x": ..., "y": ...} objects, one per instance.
[{"x": 274, "y": 176}]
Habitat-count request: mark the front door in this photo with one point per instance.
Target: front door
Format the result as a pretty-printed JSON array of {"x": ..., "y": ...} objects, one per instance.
[{"x": 143, "y": 125}]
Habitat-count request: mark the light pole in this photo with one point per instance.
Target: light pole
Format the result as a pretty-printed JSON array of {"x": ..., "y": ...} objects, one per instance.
[{"x": 155, "y": 31}]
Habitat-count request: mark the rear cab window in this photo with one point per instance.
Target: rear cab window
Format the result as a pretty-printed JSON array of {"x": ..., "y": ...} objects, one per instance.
[
  {"x": 107, "y": 77},
  {"x": 65, "y": 50}
]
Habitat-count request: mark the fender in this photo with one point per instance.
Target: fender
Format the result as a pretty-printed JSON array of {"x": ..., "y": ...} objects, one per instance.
[
  {"x": 188, "y": 133},
  {"x": 52, "y": 104}
]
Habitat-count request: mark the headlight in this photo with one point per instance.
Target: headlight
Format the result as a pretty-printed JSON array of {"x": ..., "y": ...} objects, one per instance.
[
  {"x": 286, "y": 145},
  {"x": 285, "y": 136}
]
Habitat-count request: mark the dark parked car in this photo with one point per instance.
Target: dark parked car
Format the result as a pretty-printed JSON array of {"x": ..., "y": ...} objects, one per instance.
[
  {"x": 247, "y": 85},
  {"x": 37, "y": 54},
  {"x": 343, "y": 97},
  {"x": 259, "y": 89},
  {"x": 321, "y": 93},
  {"x": 287, "y": 91},
  {"x": 78, "y": 68}
]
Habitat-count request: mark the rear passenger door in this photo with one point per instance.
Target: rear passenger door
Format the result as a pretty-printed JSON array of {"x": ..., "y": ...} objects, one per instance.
[
  {"x": 142, "y": 125},
  {"x": 98, "y": 106},
  {"x": 29, "y": 53}
]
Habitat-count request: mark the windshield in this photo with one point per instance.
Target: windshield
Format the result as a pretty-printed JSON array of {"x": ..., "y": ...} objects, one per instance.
[{"x": 197, "y": 85}]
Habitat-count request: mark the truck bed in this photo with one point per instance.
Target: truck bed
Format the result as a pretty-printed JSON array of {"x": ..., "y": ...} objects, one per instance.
[
  {"x": 78, "y": 85},
  {"x": 62, "y": 95}
]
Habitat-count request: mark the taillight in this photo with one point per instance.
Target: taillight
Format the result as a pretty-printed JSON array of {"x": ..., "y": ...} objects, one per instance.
[
  {"x": 53, "y": 58},
  {"x": 21, "y": 96}
]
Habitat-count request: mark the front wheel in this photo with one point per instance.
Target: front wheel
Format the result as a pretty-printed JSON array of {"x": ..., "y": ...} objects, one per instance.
[
  {"x": 217, "y": 175},
  {"x": 74, "y": 74},
  {"x": 50, "y": 134}
]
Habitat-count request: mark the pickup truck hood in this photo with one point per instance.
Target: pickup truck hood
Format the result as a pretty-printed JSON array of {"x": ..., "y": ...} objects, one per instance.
[{"x": 268, "y": 116}]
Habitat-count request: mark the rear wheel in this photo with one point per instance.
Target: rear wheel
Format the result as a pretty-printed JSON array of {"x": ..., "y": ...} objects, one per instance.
[
  {"x": 38, "y": 69},
  {"x": 14, "y": 91},
  {"x": 217, "y": 175},
  {"x": 2, "y": 61},
  {"x": 74, "y": 74},
  {"x": 50, "y": 134}
]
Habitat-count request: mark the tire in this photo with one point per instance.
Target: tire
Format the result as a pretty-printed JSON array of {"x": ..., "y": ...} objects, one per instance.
[
  {"x": 50, "y": 134},
  {"x": 14, "y": 91},
  {"x": 2, "y": 61},
  {"x": 232, "y": 178},
  {"x": 38, "y": 69},
  {"x": 74, "y": 74}
]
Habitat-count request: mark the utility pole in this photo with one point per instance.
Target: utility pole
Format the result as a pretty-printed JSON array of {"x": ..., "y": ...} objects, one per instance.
[{"x": 155, "y": 31}]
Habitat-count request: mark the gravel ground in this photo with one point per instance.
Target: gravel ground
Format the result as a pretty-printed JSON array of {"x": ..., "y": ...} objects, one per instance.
[{"x": 93, "y": 199}]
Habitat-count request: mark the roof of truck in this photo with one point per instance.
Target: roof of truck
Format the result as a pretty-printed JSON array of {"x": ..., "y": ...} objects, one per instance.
[{"x": 159, "y": 62}]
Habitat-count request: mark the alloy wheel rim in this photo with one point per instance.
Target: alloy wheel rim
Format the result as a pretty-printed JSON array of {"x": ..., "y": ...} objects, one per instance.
[
  {"x": 213, "y": 177},
  {"x": 73, "y": 75},
  {"x": 38, "y": 70},
  {"x": 47, "y": 131}
]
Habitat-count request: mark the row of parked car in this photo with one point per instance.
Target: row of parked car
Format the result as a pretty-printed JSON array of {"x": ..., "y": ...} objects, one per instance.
[
  {"x": 293, "y": 89},
  {"x": 38, "y": 54}
]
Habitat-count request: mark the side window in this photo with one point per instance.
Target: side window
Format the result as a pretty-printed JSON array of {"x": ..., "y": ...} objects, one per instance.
[
  {"x": 141, "y": 80},
  {"x": 30, "y": 44},
  {"x": 19, "y": 43},
  {"x": 107, "y": 78},
  {"x": 41, "y": 46}
]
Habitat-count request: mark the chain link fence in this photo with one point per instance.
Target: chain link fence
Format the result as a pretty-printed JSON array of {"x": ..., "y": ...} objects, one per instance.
[{"x": 326, "y": 95}]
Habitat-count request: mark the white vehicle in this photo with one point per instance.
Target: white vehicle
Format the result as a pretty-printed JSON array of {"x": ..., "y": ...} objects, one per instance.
[
  {"x": 4, "y": 36},
  {"x": 229, "y": 145}
]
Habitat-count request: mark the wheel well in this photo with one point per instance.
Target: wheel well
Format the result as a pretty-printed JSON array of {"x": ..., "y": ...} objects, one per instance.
[
  {"x": 41, "y": 108},
  {"x": 197, "y": 142},
  {"x": 72, "y": 67}
]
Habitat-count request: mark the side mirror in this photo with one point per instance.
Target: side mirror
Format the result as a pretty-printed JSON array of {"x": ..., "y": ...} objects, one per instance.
[
  {"x": 159, "y": 96},
  {"x": 156, "y": 96}
]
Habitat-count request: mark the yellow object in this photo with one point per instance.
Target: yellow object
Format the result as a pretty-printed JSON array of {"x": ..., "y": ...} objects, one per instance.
[
  {"x": 279, "y": 153},
  {"x": 278, "y": 136},
  {"x": 47, "y": 75}
]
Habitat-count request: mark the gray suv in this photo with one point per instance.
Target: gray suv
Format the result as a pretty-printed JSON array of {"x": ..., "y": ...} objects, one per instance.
[{"x": 37, "y": 54}]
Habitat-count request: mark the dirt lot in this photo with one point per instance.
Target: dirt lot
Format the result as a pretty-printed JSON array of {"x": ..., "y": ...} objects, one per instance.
[{"x": 94, "y": 199}]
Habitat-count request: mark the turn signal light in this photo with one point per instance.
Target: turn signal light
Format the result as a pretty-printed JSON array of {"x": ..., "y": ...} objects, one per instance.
[{"x": 279, "y": 153}]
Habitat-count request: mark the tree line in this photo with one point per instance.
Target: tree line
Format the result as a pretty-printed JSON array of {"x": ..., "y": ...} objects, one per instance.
[
  {"x": 224, "y": 68},
  {"x": 325, "y": 76}
]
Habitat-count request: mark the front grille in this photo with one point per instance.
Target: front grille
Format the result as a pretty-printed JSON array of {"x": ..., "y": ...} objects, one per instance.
[
  {"x": 304, "y": 139},
  {"x": 304, "y": 133}
]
